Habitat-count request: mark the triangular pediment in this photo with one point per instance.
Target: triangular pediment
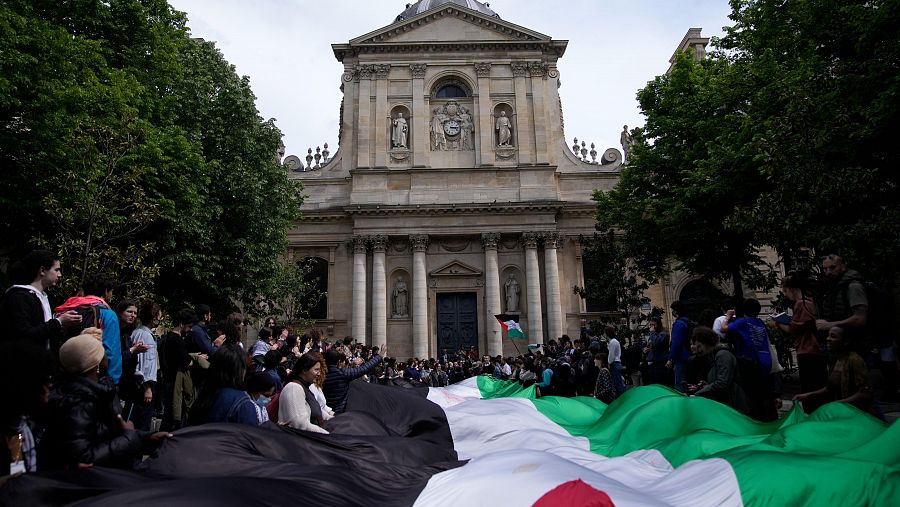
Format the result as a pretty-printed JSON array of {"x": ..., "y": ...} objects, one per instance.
[
  {"x": 450, "y": 24},
  {"x": 456, "y": 268}
]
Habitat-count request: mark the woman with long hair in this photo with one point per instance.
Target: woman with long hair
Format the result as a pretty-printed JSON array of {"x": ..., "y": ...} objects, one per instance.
[
  {"x": 297, "y": 405},
  {"x": 316, "y": 387},
  {"x": 139, "y": 403},
  {"x": 127, "y": 312},
  {"x": 223, "y": 398}
]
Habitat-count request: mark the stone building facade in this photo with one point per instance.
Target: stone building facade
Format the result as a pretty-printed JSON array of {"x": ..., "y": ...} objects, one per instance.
[{"x": 454, "y": 195}]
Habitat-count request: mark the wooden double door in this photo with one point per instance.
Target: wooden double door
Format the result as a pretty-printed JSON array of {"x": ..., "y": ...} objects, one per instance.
[{"x": 457, "y": 321}]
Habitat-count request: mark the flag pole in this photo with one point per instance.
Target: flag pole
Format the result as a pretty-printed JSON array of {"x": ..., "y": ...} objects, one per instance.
[{"x": 518, "y": 352}]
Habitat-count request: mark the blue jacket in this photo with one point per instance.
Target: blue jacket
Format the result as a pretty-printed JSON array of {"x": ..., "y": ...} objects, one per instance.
[
  {"x": 198, "y": 340},
  {"x": 337, "y": 383},
  {"x": 680, "y": 350},
  {"x": 112, "y": 343},
  {"x": 233, "y": 406}
]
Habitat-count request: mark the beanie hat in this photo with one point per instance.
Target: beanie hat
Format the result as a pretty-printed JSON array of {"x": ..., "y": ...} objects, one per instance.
[{"x": 81, "y": 354}]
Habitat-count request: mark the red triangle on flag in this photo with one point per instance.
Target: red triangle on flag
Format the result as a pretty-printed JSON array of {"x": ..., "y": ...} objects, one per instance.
[{"x": 575, "y": 492}]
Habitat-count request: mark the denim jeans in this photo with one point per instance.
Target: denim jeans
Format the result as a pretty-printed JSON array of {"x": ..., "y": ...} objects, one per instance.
[{"x": 680, "y": 369}]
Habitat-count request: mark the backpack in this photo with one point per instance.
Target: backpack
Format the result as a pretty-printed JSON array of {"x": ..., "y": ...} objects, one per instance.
[
  {"x": 879, "y": 330},
  {"x": 90, "y": 317}
]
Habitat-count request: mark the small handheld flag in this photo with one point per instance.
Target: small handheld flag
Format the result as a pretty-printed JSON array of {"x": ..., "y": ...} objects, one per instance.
[{"x": 510, "y": 324}]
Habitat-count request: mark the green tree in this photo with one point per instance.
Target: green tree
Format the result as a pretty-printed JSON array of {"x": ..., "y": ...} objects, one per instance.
[
  {"x": 680, "y": 198},
  {"x": 822, "y": 89},
  {"x": 133, "y": 148}
]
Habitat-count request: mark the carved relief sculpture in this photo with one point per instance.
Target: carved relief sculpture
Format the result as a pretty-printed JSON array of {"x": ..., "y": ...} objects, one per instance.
[
  {"x": 400, "y": 299},
  {"x": 451, "y": 128},
  {"x": 438, "y": 138},
  {"x": 504, "y": 130},
  {"x": 466, "y": 126},
  {"x": 512, "y": 294},
  {"x": 399, "y": 132}
]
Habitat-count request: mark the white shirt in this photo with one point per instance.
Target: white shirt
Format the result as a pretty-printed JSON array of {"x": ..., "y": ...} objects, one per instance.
[
  {"x": 293, "y": 409},
  {"x": 327, "y": 413},
  {"x": 615, "y": 351},
  {"x": 717, "y": 325}
]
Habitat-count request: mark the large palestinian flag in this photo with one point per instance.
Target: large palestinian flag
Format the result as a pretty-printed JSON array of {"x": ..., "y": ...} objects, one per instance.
[{"x": 488, "y": 442}]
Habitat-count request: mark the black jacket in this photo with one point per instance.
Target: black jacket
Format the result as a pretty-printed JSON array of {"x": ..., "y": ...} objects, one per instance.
[
  {"x": 337, "y": 383},
  {"x": 22, "y": 317},
  {"x": 84, "y": 428}
]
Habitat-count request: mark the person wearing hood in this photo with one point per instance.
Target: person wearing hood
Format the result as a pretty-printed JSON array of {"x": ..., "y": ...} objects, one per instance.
[
  {"x": 25, "y": 307},
  {"x": 85, "y": 424},
  {"x": 722, "y": 380}
]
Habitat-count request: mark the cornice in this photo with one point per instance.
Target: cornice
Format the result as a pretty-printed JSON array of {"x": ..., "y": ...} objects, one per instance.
[
  {"x": 454, "y": 209},
  {"x": 555, "y": 48}
]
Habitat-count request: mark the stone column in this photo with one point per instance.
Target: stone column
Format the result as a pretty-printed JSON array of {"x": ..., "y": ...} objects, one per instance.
[
  {"x": 524, "y": 132},
  {"x": 538, "y": 73},
  {"x": 551, "y": 273},
  {"x": 358, "y": 325},
  {"x": 349, "y": 86},
  {"x": 379, "y": 291},
  {"x": 419, "y": 244},
  {"x": 484, "y": 147},
  {"x": 364, "y": 125},
  {"x": 533, "y": 287},
  {"x": 492, "y": 293},
  {"x": 382, "y": 116},
  {"x": 579, "y": 275},
  {"x": 420, "y": 117}
]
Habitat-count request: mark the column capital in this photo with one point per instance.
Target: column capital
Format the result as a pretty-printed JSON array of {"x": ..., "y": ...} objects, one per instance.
[
  {"x": 490, "y": 240},
  {"x": 552, "y": 239},
  {"x": 530, "y": 239},
  {"x": 418, "y": 70},
  {"x": 519, "y": 68},
  {"x": 359, "y": 244},
  {"x": 382, "y": 71},
  {"x": 365, "y": 71},
  {"x": 379, "y": 242},
  {"x": 419, "y": 242},
  {"x": 537, "y": 69},
  {"x": 483, "y": 69}
]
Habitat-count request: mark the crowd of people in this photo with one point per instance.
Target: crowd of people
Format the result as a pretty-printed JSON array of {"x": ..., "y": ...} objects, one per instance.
[{"x": 86, "y": 383}]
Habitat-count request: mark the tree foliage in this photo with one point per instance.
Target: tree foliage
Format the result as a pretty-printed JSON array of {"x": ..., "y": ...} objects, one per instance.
[
  {"x": 132, "y": 148},
  {"x": 780, "y": 138}
]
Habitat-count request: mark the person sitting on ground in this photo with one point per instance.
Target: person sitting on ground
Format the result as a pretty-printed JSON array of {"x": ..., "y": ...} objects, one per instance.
[
  {"x": 261, "y": 389},
  {"x": 721, "y": 381},
  {"x": 223, "y": 397},
  {"x": 85, "y": 426},
  {"x": 848, "y": 377},
  {"x": 338, "y": 378},
  {"x": 297, "y": 405}
]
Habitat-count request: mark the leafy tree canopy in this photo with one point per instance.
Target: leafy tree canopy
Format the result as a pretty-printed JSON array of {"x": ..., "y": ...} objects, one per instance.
[
  {"x": 781, "y": 137},
  {"x": 132, "y": 148}
]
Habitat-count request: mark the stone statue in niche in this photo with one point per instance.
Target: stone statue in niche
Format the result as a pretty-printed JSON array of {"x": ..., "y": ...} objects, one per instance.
[
  {"x": 504, "y": 130},
  {"x": 451, "y": 128},
  {"x": 400, "y": 299},
  {"x": 512, "y": 294},
  {"x": 399, "y": 132}
]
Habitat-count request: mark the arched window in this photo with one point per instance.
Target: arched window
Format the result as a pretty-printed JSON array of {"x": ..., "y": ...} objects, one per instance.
[
  {"x": 450, "y": 91},
  {"x": 317, "y": 280}
]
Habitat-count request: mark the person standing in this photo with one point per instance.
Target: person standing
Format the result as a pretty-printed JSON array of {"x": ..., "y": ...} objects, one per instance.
[
  {"x": 680, "y": 348},
  {"x": 146, "y": 372},
  {"x": 615, "y": 360},
  {"x": 98, "y": 290},
  {"x": 657, "y": 353},
  {"x": 25, "y": 307},
  {"x": 179, "y": 390}
]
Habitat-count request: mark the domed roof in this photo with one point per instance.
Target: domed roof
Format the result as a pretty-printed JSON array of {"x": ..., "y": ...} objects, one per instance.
[{"x": 424, "y": 5}]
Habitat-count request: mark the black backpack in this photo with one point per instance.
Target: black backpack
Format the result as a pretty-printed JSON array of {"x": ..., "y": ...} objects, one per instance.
[{"x": 90, "y": 317}]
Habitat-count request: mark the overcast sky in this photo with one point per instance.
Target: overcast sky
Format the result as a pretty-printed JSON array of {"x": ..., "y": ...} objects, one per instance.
[{"x": 284, "y": 46}]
